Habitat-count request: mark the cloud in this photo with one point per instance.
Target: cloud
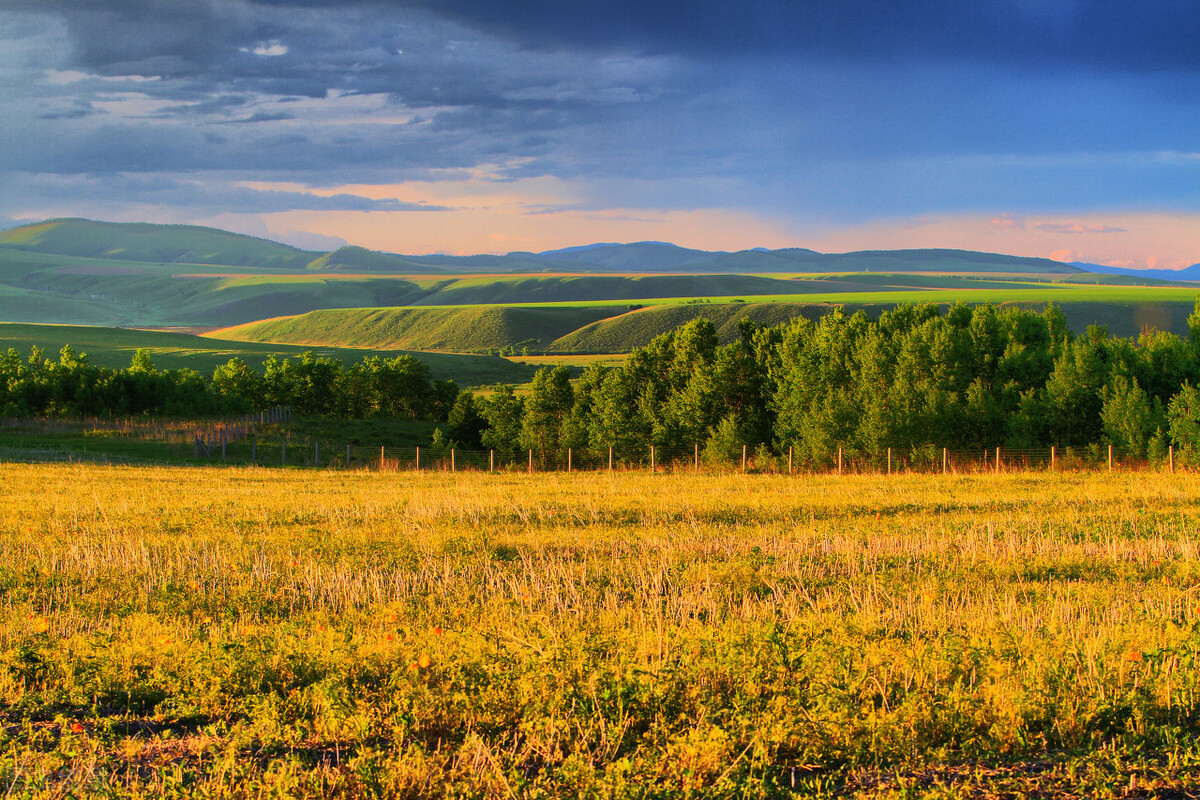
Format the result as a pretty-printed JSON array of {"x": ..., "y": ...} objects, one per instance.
[
  {"x": 1007, "y": 223},
  {"x": 74, "y": 109},
  {"x": 1098, "y": 34},
  {"x": 202, "y": 196},
  {"x": 263, "y": 116},
  {"x": 816, "y": 111},
  {"x": 271, "y": 48},
  {"x": 1076, "y": 227}
]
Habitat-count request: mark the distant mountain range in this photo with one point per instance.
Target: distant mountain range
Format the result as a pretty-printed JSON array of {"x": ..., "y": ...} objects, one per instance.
[
  {"x": 191, "y": 244},
  {"x": 1191, "y": 273}
]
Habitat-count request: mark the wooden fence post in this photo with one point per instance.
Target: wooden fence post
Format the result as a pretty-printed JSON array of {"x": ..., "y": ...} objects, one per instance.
[
  {"x": 1053, "y": 457},
  {"x": 610, "y": 460},
  {"x": 1110, "y": 458},
  {"x": 569, "y": 464},
  {"x": 418, "y": 460},
  {"x": 889, "y": 461},
  {"x": 453, "y": 467},
  {"x": 743, "y": 458},
  {"x": 997, "y": 460},
  {"x": 790, "y": 459},
  {"x": 652, "y": 460},
  {"x": 945, "y": 460},
  {"x": 839, "y": 460},
  {"x": 491, "y": 460},
  {"x": 381, "y": 457},
  {"x": 531, "y": 461}
]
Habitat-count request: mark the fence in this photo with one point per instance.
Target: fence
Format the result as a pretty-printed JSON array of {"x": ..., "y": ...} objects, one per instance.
[
  {"x": 286, "y": 451},
  {"x": 208, "y": 437}
]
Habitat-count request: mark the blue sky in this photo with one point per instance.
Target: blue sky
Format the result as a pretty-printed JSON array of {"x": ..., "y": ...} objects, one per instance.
[{"x": 1062, "y": 128}]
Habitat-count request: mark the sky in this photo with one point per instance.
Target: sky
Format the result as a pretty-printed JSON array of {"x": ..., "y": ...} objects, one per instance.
[{"x": 1057, "y": 128}]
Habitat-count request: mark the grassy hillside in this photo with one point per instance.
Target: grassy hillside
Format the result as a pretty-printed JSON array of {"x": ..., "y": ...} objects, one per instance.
[
  {"x": 26, "y": 305},
  {"x": 114, "y": 347},
  {"x": 615, "y": 329},
  {"x": 622, "y": 333},
  {"x": 156, "y": 243},
  {"x": 40, "y": 287},
  {"x": 100, "y": 280},
  {"x": 360, "y": 258},
  {"x": 461, "y": 329},
  {"x": 583, "y": 288},
  {"x": 199, "y": 245}
]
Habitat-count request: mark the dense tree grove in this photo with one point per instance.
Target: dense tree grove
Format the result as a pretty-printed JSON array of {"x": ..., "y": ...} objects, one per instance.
[
  {"x": 312, "y": 385},
  {"x": 915, "y": 379}
]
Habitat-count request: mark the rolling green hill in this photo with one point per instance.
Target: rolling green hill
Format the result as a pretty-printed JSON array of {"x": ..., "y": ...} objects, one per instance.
[
  {"x": 582, "y": 288},
  {"x": 464, "y": 329},
  {"x": 141, "y": 275},
  {"x": 139, "y": 241},
  {"x": 616, "y": 329},
  {"x": 193, "y": 244},
  {"x": 114, "y": 347},
  {"x": 354, "y": 258},
  {"x": 624, "y": 332}
]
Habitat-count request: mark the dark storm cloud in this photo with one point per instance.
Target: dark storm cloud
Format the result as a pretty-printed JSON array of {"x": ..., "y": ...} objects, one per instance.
[
  {"x": 206, "y": 196},
  {"x": 487, "y": 102},
  {"x": 179, "y": 37},
  {"x": 1112, "y": 34},
  {"x": 845, "y": 108},
  {"x": 77, "y": 109}
]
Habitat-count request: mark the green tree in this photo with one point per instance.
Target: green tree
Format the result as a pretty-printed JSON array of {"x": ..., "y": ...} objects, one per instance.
[
  {"x": 1183, "y": 419},
  {"x": 502, "y": 410},
  {"x": 615, "y": 420},
  {"x": 236, "y": 379},
  {"x": 1130, "y": 418},
  {"x": 549, "y": 404},
  {"x": 465, "y": 424}
]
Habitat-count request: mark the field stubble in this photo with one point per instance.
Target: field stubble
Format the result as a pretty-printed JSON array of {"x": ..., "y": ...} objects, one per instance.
[{"x": 259, "y": 632}]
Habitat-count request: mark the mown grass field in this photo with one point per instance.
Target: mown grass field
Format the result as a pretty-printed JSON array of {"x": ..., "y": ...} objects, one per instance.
[{"x": 251, "y": 632}]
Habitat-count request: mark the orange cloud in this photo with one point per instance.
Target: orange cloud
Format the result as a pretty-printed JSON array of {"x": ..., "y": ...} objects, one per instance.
[
  {"x": 1061, "y": 255},
  {"x": 1007, "y": 223},
  {"x": 1076, "y": 227},
  {"x": 1170, "y": 237}
]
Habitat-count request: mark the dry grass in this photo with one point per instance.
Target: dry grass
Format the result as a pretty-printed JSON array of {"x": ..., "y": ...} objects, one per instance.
[{"x": 250, "y": 631}]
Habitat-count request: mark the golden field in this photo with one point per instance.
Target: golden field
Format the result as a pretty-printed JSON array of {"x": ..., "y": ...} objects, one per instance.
[{"x": 262, "y": 633}]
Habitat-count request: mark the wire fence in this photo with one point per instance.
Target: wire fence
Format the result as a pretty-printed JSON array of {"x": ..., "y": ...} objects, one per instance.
[
  {"x": 262, "y": 439},
  {"x": 310, "y": 452}
]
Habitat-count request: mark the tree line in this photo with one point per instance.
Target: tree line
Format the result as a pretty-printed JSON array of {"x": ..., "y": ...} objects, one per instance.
[
  {"x": 915, "y": 379},
  {"x": 71, "y": 386}
]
